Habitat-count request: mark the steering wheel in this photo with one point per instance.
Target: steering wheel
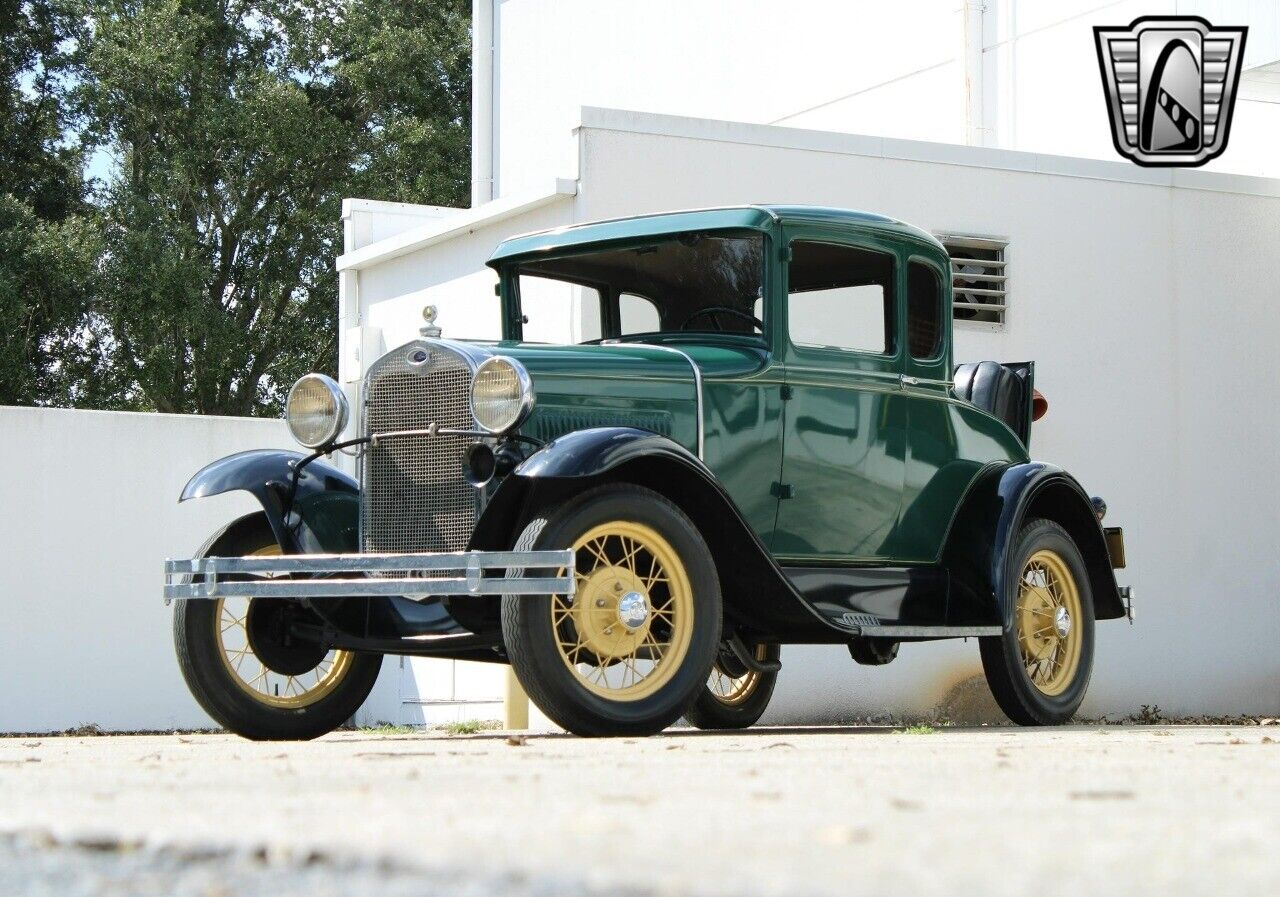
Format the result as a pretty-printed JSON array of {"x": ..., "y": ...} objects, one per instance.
[{"x": 714, "y": 310}]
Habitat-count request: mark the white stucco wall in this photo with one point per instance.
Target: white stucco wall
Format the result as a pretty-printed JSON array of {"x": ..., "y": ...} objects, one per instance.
[
  {"x": 891, "y": 69},
  {"x": 1147, "y": 301},
  {"x": 91, "y": 511}
]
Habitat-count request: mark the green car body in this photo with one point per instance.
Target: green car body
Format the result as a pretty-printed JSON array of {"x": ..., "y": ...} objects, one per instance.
[
  {"x": 859, "y": 464},
  {"x": 639, "y": 520}
]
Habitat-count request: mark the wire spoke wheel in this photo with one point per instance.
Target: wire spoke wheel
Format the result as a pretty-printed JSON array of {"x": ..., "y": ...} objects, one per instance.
[
  {"x": 627, "y": 628},
  {"x": 1046, "y": 617},
  {"x": 273, "y": 684},
  {"x": 734, "y": 690}
]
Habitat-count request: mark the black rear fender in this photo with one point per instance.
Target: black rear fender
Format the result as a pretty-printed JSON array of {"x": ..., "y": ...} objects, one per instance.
[{"x": 983, "y": 534}]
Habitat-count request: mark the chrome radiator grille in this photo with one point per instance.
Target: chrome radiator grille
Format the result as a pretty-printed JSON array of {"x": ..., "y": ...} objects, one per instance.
[{"x": 413, "y": 495}]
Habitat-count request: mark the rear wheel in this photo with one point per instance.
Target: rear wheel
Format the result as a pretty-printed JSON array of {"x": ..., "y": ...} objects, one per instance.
[
  {"x": 628, "y": 652},
  {"x": 247, "y": 671},
  {"x": 734, "y": 696},
  {"x": 1038, "y": 670}
]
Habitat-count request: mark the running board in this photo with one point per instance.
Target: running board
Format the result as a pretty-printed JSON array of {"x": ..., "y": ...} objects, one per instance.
[{"x": 928, "y": 631}]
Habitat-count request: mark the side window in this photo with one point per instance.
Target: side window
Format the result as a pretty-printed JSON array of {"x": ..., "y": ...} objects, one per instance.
[
  {"x": 637, "y": 314},
  {"x": 840, "y": 297},
  {"x": 558, "y": 311},
  {"x": 924, "y": 311}
]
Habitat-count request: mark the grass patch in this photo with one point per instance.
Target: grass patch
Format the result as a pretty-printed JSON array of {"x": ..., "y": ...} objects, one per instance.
[
  {"x": 471, "y": 726},
  {"x": 916, "y": 730},
  {"x": 388, "y": 729}
]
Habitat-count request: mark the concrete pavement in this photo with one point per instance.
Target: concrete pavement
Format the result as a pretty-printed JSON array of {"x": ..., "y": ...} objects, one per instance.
[{"x": 1103, "y": 810}]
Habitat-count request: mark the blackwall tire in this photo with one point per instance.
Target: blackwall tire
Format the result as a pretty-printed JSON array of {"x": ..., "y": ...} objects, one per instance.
[
  {"x": 631, "y": 651},
  {"x": 1037, "y": 674},
  {"x": 734, "y": 697},
  {"x": 241, "y": 700}
]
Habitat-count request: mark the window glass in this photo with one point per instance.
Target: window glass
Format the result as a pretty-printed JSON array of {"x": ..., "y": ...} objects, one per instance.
[
  {"x": 840, "y": 297},
  {"x": 689, "y": 282},
  {"x": 638, "y": 314},
  {"x": 924, "y": 311},
  {"x": 556, "y": 311}
]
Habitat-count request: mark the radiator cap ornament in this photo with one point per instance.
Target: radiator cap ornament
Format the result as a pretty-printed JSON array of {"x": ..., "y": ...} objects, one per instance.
[{"x": 429, "y": 329}]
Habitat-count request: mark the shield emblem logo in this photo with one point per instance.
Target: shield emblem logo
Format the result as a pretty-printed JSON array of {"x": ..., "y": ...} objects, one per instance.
[{"x": 1171, "y": 87}]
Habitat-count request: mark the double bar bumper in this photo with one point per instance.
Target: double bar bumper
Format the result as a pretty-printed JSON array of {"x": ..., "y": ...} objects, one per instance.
[{"x": 304, "y": 576}]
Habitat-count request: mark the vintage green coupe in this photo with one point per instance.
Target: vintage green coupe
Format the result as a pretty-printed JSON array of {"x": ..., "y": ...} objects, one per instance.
[{"x": 756, "y": 437}]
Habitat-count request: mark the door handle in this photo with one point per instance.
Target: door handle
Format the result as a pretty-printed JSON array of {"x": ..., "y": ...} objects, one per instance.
[{"x": 907, "y": 380}]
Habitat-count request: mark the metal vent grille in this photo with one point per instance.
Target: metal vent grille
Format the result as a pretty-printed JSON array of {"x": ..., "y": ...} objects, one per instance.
[
  {"x": 978, "y": 271},
  {"x": 414, "y": 497}
]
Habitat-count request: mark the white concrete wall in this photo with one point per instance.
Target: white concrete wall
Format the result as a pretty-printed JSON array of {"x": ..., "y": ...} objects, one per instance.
[
  {"x": 891, "y": 69},
  {"x": 1149, "y": 309},
  {"x": 91, "y": 511}
]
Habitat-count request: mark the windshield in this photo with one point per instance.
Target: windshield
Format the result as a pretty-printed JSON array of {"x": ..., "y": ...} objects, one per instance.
[{"x": 698, "y": 282}]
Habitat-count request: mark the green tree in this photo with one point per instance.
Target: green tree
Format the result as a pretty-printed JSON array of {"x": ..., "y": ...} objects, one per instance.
[
  {"x": 238, "y": 128},
  {"x": 47, "y": 247}
]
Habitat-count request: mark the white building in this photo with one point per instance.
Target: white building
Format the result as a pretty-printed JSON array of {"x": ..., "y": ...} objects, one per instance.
[
  {"x": 1147, "y": 298},
  {"x": 1144, "y": 295}
]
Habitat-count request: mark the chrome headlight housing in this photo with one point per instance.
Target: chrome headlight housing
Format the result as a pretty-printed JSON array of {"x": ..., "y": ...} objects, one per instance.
[
  {"x": 501, "y": 394},
  {"x": 316, "y": 410}
]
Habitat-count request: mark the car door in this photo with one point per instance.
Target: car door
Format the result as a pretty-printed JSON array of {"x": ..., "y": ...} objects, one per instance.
[{"x": 844, "y": 445}]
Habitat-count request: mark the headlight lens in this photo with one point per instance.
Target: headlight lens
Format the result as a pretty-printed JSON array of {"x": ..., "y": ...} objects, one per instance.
[
  {"x": 501, "y": 395},
  {"x": 316, "y": 411}
]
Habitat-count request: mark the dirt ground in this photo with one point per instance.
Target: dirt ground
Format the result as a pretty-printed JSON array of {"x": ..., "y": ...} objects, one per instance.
[{"x": 848, "y": 811}]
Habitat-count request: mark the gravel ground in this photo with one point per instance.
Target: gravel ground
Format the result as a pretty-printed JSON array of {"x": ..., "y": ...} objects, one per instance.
[{"x": 849, "y": 811}]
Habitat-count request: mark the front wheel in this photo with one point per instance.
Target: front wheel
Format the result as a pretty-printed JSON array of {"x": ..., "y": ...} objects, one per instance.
[
  {"x": 248, "y": 673},
  {"x": 1038, "y": 670},
  {"x": 629, "y": 651},
  {"x": 734, "y": 696}
]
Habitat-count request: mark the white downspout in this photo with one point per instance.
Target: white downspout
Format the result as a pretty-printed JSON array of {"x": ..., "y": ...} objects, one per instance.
[{"x": 482, "y": 65}]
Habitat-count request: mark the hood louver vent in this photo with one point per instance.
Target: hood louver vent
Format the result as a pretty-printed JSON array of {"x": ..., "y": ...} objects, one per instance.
[{"x": 548, "y": 423}]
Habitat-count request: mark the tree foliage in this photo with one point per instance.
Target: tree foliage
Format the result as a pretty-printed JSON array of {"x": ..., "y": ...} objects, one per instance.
[
  {"x": 47, "y": 246},
  {"x": 236, "y": 129}
]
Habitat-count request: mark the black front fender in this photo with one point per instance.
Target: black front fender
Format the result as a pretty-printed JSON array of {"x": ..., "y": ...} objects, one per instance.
[
  {"x": 320, "y": 514},
  {"x": 980, "y": 545},
  {"x": 758, "y": 596}
]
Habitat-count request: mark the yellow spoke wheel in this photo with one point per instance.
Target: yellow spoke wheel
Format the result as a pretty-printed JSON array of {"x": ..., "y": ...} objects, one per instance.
[
  {"x": 1046, "y": 617},
  {"x": 257, "y": 680},
  {"x": 627, "y": 628},
  {"x": 1038, "y": 667},
  {"x": 735, "y": 690}
]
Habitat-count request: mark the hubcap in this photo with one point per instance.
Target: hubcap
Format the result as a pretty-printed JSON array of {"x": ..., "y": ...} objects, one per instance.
[
  {"x": 633, "y": 610},
  {"x": 1062, "y": 622}
]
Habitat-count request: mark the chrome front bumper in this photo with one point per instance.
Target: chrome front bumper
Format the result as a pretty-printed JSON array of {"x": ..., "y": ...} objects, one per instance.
[{"x": 371, "y": 575}]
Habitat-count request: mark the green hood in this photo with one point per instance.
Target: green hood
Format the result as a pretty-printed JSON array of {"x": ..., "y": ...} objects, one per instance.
[{"x": 651, "y": 388}]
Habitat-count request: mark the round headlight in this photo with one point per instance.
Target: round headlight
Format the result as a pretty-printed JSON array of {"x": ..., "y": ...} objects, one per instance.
[
  {"x": 501, "y": 395},
  {"x": 316, "y": 411}
]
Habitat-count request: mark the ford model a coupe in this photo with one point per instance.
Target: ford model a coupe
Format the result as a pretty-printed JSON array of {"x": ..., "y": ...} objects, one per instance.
[{"x": 756, "y": 437}]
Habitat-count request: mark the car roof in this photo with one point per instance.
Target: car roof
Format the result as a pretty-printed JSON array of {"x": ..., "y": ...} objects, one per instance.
[{"x": 747, "y": 217}]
